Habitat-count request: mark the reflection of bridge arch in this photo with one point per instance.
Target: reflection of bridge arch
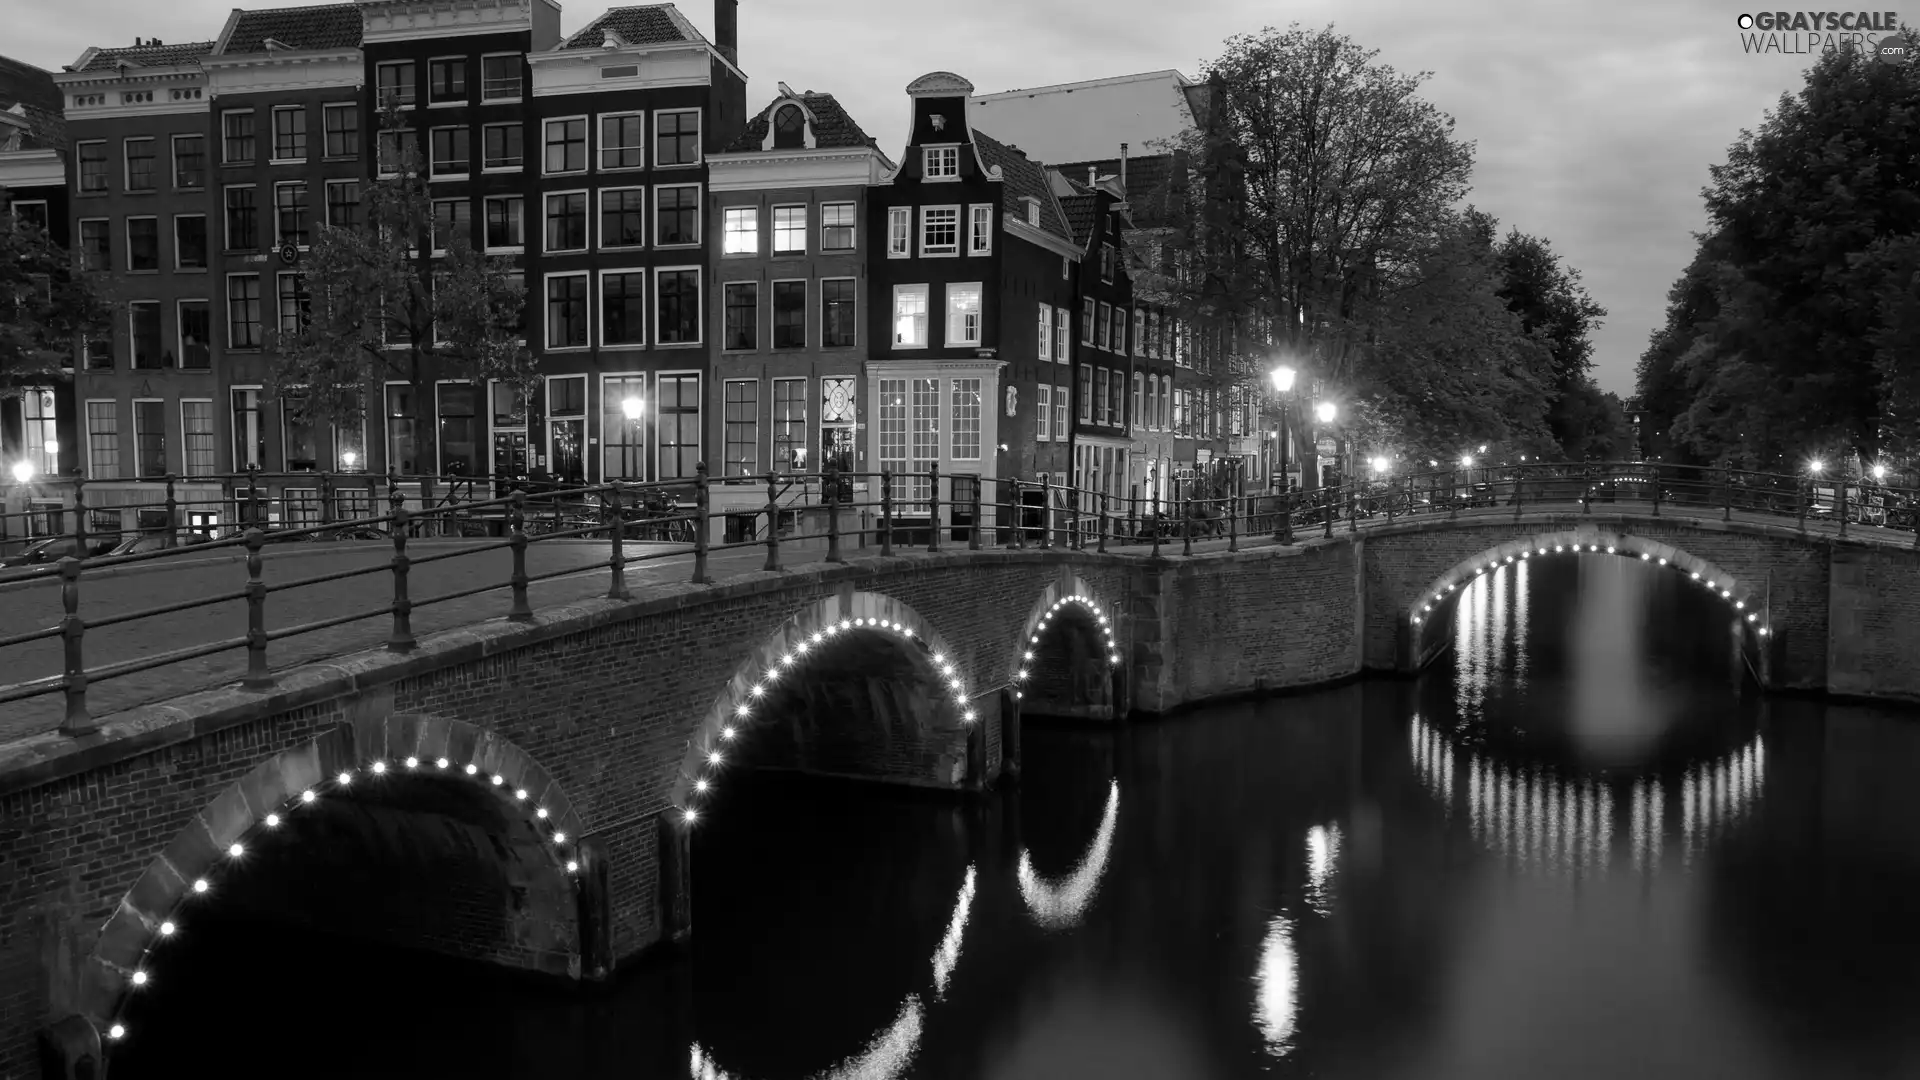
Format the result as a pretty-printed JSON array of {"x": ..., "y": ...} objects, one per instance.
[
  {"x": 1061, "y": 905},
  {"x": 1555, "y": 823},
  {"x": 891, "y": 1050}
]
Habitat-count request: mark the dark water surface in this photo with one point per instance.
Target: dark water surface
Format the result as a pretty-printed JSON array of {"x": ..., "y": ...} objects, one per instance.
[{"x": 1580, "y": 847}]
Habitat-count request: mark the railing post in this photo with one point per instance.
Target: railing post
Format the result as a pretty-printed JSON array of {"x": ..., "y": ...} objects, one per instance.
[
  {"x": 253, "y": 495},
  {"x": 933, "y": 508},
  {"x": 1103, "y": 523},
  {"x": 1353, "y": 508},
  {"x": 1330, "y": 497},
  {"x": 521, "y": 611},
  {"x": 1840, "y": 482},
  {"x": 401, "y": 639},
  {"x": 1586, "y": 489},
  {"x": 1726, "y": 512},
  {"x": 1233, "y": 523},
  {"x": 701, "y": 493},
  {"x": 1283, "y": 528},
  {"x": 173, "y": 513},
  {"x": 617, "y": 587},
  {"x": 1656, "y": 491},
  {"x": 773, "y": 522},
  {"x": 832, "y": 503},
  {"x": 1393, "y": 484},
  {"x": 72, "y": 630},
  {"x": 1804, "y": 491},
  {"x": 326, "y": 499},
  {"x": 886, "y": 513},
  {"x": 257, "y": 677},
  {"x": 80, "y": 517},
  {"x": 1019, "y": 534},
  {"x": 1046, "y": 513},
  {"x": 1186, "y": 528},
  {"x": 973, "y": 534}
]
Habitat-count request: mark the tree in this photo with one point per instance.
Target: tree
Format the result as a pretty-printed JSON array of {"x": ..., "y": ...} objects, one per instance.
[
  {"x": 47, "y": 303},
  {"x": 1554, "y": 306},
  {"x": 1660, "y": 382},
  {"x": 380, "y": 305}
]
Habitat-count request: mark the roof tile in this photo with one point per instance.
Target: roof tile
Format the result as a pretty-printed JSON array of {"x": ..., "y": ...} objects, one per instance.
[
  {"x": 652, "y": 24},
  {"x": 1081, "y": 211},
  {"x": 1148, "y": 178},
  {"x": 151, "y": 56},
  {"x": 325, "y": 26},
  {"x": 833, "y": 126},
  {"x": 1025, "y": 178}
]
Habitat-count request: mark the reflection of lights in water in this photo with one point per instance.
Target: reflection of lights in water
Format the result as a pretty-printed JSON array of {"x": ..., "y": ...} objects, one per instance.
[
  {"x": 1323, "y": 856},
  {"x": 1558, "y": 824},
  {"x": 1277, "y": 987},
  {"x": 949, "y": 952},
  {"x": 891, "y": 1051},
  {"x": 1520, "y": 588},
  {"x": 1061, "y": 906},
  {"x": 1481, "y": 626}
]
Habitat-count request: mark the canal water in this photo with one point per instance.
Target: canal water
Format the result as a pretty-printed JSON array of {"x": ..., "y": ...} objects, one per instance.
[{"x": 1581, "y": 846}]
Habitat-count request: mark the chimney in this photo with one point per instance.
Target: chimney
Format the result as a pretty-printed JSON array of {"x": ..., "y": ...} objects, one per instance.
[
  {"x": 1093, "y": 176},
  {"x": 1123, "y": 166},
  {"x": 726, "y": 29}
]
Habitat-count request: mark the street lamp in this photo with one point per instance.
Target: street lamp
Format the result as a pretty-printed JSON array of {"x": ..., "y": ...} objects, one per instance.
[
  {"x": 1879, "y": 472},
  {"x": 633, "y": 409},
  {"x": 1380, "y": 465},
  {"x": 1326, "y": 411},
  {"x": 1283, "y": 386},
  {"x": 23, "y": 472},
  {"x": 1466, "y": 461},
  {"x": 1816, "y": 466}
]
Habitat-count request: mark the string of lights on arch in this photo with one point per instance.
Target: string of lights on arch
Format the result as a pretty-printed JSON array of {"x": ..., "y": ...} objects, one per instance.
[
  {"x": 1106, "y": 629},
  {"x": 1712, "y": 585},
  {"x": 711, "y": 756},
  {"x": 202, "y": 887}
]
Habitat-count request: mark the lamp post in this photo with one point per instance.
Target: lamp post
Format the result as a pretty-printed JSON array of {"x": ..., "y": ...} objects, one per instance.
[
  {"x": 1326, "y": 412},
  {"x": 1283, "y": 388},
  {"x": 633, "y": 409}
]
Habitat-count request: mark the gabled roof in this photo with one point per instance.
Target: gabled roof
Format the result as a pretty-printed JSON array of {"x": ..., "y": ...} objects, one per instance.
[
  {"x": 650, "y": 24},
  {"x": 833, "y": 126},
  {"x": 1147, "y": 183},
  {"x": 309, "y": 29},
  {"x": 1025, "y": 178},
  {"x": 1082, "y": 212},
  {"x": 139, "y": 56},
  {"x": 23, "y": 82}
]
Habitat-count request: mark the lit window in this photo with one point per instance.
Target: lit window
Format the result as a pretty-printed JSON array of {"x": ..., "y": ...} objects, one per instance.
[
  {"x": 940, "y": 230},
  {"x": 741, "y": 227},
  {"x": 910, "y": 316},
  {"x": 963, "y": 314},
  {"x": 941, "y": 162}
]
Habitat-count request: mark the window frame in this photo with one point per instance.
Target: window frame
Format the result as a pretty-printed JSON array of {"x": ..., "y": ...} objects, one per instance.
[
  {"x": 599, "y": 329},
  {"x": 307, "y": 209},
  {"x": 380, "y": 170},
  {"x": 159, "y": 336},
  {"x": 927, "y": 175},
  {"x": 727, "y": 232},
  {"x": 979, "y": 292},
  {"x": 699, "y": 226},
  {"x": 133, "y": 422},
  {"x": 546, "y": 310},
  {"x": 586, "y": 145},
  {"x": 599, "y": 149},
  {"x": 434, "y": 175},
  {"x": 413, "y": 92},
  {"x": 79, "y": 174},
  {"x": 273, "y": 123},
  {"x": 180, "y": 334},
  {"x": 486, "y": 239},
  {"x": 521, "y": 167},
  {"x": 329, "y": 108},
  {"x": 979, "y": 418},
  {"x": 806, "y": 423},
  {"x": 852, "y": 226},
  {"x": 597, "y": 420},
  {"x": 519, "y": 61},
  {"x": 700, "y": 303},
  {"x": 959, "y": 227},
  {"x": 213, "y": 438},
  {"x": 206, "y": 245},
  {"x": 901, "y": 216},
  {"x": 773, "y": 324},
  {"x": 822, "y": 335},
  {"x": 586, "y": 233},
  {"x": 79, "y": 242},
  {"x": 129, "y": 220},
  {"x": 600, "y": 217},
  {"x": 326, "y": 195},
  {"x": 206, "y": 167},
  {"x": 976, "y": 233},
  {"x": 1044, "y": 353},
  {"x": 227, "y": 310},
  {"x": 86, "y": 420},
  {"x": 585, "y": 416},
  {"x": 774, "y": 250},
  {"x": 433, "y": 225},
  {"x": 925, "y": 291},
  {"x": 1043, "y": 408},
  {"x": 725, "y": 288},
  {"x": 699, "y": 139},
  {"x": 126, "y": 162},
  {"x": 465, "y": 82},
  {"x": 727, "y": 441}
]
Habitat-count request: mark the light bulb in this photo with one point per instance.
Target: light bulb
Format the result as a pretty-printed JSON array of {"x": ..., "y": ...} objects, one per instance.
[
  {"x": 139, "y": 978},
  {"x": 413, "y": 763},
  {"x": 306, "y": 796},
  {"x": 559, "y": 838},
  {"x": 273, "y": 821},
  {"x": 440, "y": 764},
  {"x": 572, "y": 867},
  {"x": 236, "y": 851},
  {"x": 201, "y": 886},
  {"x": 379, "y": 768},
  {"x": 344, "y": 778},
  {"x": 117, "y": 1031},
  {"x": 167, "y": 929},
  {"x": 498, "y": 779},
  {"x": 541, "y": 813}
]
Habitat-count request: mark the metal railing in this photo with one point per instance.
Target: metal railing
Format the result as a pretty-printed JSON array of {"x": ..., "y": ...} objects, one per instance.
[{"x": 922, "y": 510}]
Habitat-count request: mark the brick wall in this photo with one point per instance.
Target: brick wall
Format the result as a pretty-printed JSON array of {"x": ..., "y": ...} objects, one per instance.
[{"x": 1874, "y": 620}]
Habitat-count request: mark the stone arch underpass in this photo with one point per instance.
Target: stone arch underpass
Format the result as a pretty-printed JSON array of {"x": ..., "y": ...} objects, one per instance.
[
  {"x": 477, "y": 846},
  {"x": 1067, "y": 658}
]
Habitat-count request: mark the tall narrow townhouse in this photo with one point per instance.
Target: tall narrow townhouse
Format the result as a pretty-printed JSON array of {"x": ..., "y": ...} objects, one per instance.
[
  {"x": 137, "y": 124},
  {"x": 623, "y": 117},
  {"x": 1104, "y": 409},
  {"x": 972, "y": 309},
  {"x": 789, "y": 263},
  {"x": 291, "y": 148},
  {"x": 39, "y": 438}
]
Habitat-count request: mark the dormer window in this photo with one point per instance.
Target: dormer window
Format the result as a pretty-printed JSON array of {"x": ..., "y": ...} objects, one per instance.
[
  {"x": 941, "y": 163},
  {"x": 1033, "y": 212},
  {"x": 789, "y": 128}
]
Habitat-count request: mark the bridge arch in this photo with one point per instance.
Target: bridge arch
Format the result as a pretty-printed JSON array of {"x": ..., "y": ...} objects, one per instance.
[
  {"x": 1741, "y": 597},
  {"x": 300, "y": 781},
  {"x": 1066, "y": 627},
  {"x": 785, "y": 652}
]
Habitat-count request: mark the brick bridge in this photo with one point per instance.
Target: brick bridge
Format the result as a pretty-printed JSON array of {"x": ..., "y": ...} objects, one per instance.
[{"x": 521, "y": 792}]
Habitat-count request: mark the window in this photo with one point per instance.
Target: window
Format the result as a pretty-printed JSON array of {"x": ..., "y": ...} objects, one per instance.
[
  {"x": 789, "y": 230},
  {"x": 31, "y": 212},
  {"x": 1045, "y": 336},
  {"x": 501, "y": 143},
  {"x": 500, "y": 77},
  {"x": 740, "y": 230},
  {"x": 1117, "y": 319},
  {"x": 236, "y": 137},
  {"x": 623, "y": 427},
  {"x": 190, "y": 242},
  {"x": 893, "y": 426},
  {"x": 149, "y": 438},
  {"x": 1100, "y": 399},
  {"x": 676, "y": 138},
  {"x": 963, "y": 314},
  {"x": 458, "y": 409},
  {"x": 566, "y": 311},
  {"x": 789, "y": 128},
  {"x": 676, "y": 214},
  {"x": 189, "y": 161},
  {"x": 290, "y": 212},
  {"x": 98, "y": 351},
  {"x": 296, "y": 307},
  {"x": 1043, "y": 413},
  {"x": 1102, "y": 321},
  {"x": 143, "y": 243},
  {"x": 623, "y": 305},
  {"x": 839, "y": 313},
  {"x": 298, "y": 435},
  {"x": 506, "y": 223},
  {"x": 290, "y": 133},
  {"x": 143, "y": 334},
  {"x": 398, "y": 150},
  {"x": 402, "y": 447},
  {"x": 103, "y": 440},
  {"x": 679, "y": 425},
  {"x": 447, "y": 81},
  {"x": 1033, "y": 212},
  {"x": 623, "y": 141},
  {"x": 789, "y": 424},
  {"x": 1060, "y": 400},
  {"x": 1139, "y": 332},
  {"x": 566, "y": 143},
  {"x": 939, "y": 230},
  {"x": 195, "y": 319},
  {"x": 1166, "y": 401},
  {"x": 249, "y": 434},
  {"x": 899, "y": 232},
  {"x": 396, "y": 84},
  {"x": 567, "y": 221},
  {"x": 1153, "y": 335},
  {"x": 452, "y": 152},
  {"x": 96, "y": 244},
  {"x": 341, "y": 127},
  {"x": 1087, "y": 314},
  {"x": 196, "y": 437},
  {"x": 517, "y": 281},
  {"x": 966, "y": 420},
  {"x": 789, "y": 314},
  {"x": 677, "y": 306},
  {"x": 910, "y": 316},
  {"x": 1137, "y": 414},
  {"x": 836, "y": 226},
  {"x": 1107, "y": 261},
  {"x": 93, "y": 166},
  {"x": 350, "y": 449},
  {"x": 243, "y": 311},
  {"x": 567, "y": 428},
  {"x": 980, "y": 230},
  {"x": 452, "y": 220},
  {"x": 743, "y": 315},
  {"x": 742, "y": 424},
  {"x": 941, "y": 162},
  {"x": 1086, "y": 395},
  {"x": 1062, "y": 335},
  {"x": 926, "y": 436},
  {"x": 343, "y": 203},
  {"x": 623, "y": 217}
]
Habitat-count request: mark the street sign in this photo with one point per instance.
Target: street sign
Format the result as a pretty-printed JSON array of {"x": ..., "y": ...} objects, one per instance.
[{"x": 1326, "y": 446}]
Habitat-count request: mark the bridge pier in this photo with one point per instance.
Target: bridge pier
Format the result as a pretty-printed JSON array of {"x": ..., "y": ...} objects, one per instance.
[
  {"x": 594, "y": 900},
  {"x": 673, "y": 889},
  {"x": 70, "y": 1050}
]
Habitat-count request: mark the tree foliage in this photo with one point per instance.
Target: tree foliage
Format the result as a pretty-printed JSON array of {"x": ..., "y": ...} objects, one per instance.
[
  {"x": 382, "y": 306},
  {"x": 47, "y": 303},
  {"x": 1555, "y": 308}
]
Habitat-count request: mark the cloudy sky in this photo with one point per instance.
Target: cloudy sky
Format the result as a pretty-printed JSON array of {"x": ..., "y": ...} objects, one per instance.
[{"x": 1594, "y": 122}]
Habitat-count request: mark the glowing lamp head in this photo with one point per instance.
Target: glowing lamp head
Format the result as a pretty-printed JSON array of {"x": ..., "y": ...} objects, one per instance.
[
  {"x": 631, "y": 406},
  {"x": 1326, "y": 411},
  {"x": 1380, "y": 464},
  {"x": 1816, "y": 465},
  {"x": 1283, "y": 378},
  {"x": 1466, "y": 461},
  {"x": 117, "y": 1031},
  {"x": 22, "y": 472},
  {"x": 348, "y": 458},
  {"x": 1879, "y": 472}
]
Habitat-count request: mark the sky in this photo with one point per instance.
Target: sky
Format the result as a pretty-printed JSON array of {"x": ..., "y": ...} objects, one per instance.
[{"x": 1594, "y": 122}]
